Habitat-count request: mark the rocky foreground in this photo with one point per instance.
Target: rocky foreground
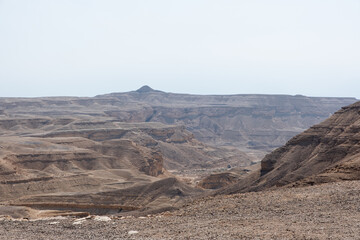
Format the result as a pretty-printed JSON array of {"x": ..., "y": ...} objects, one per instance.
[{"x": 326, "y": 211}]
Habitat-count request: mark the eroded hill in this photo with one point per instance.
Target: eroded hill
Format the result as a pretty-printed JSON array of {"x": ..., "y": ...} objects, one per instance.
[
  {"x": 327, "y": 152},
  {"x": 102, "y": 165}
]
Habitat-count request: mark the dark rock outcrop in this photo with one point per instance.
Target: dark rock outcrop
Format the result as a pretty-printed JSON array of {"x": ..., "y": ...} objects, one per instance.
[{"x": 219, "y": 180}]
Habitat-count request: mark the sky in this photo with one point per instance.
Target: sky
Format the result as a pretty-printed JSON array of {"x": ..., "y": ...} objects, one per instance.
[{"x": 91, "y": 47}]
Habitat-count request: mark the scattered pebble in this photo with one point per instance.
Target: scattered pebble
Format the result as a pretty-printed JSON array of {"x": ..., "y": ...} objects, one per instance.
[
  {"x": 80, "y": 220},
  {"x": 102, "y": 218},
  {"x": 132, "y": 232}
]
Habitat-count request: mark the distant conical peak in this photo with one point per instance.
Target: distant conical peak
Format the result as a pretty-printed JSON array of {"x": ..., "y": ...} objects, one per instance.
[{"x": 145, "y": 88}]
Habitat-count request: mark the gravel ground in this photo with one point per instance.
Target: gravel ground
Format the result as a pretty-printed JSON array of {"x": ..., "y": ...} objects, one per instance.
[{"x": 328, "y": 211}]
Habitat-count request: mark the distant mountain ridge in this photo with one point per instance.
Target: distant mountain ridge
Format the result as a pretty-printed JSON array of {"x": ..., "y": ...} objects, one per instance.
[
  {"x": 248, "y": 121},
  {"x": 254, "y": 123}
]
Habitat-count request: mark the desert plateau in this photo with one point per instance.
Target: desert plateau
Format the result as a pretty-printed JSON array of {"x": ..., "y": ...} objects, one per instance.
[
  {"x": 179, "y": 120},
  {"x": 148, "y": 164}
]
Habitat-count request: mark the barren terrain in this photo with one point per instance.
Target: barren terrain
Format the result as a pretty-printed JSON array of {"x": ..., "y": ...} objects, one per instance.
[
  {"x": 134, "y": 151},
  {"x": 98, "y": 169},
  {"x": 327, "y": 211},
  {"x": 326, "y": 152},
  {"x": 254, "y": 123},
  {"x": 132, "y": 166}
]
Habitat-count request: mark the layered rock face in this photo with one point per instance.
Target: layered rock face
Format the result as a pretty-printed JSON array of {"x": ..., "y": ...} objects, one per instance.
[
  {"x": 248, "y": 122},
  {"x": 251, "y": 123},
  {"x": 327, "y": 152},
  {"x": 100, "y": 165}
]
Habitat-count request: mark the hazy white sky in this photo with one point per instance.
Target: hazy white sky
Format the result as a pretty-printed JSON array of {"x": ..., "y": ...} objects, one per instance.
[{"x": 90, "y": 47}]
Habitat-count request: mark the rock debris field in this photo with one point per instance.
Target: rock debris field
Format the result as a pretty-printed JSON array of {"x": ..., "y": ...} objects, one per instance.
[{"x": 327, "y": 211}]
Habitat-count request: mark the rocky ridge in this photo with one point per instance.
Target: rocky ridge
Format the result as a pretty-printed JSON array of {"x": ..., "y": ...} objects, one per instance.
[{"x": 327, "y": 152}]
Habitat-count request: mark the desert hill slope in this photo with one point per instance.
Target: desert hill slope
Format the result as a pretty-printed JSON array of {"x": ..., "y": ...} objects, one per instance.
[{"x": 327, "y": 152}]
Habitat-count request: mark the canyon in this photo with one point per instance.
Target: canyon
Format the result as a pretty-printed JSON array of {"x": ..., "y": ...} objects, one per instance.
[{"x": 146, "y": 152}]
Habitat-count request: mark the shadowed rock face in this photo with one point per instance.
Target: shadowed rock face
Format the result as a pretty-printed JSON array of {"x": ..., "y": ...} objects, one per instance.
[
  {"x": 327, "y": 152},
  {"x": 219, "y": 180}
]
